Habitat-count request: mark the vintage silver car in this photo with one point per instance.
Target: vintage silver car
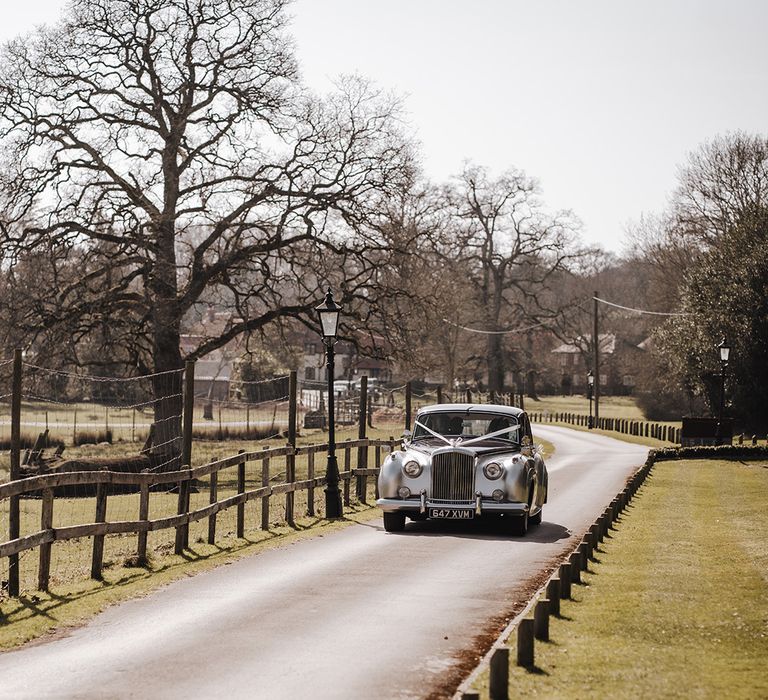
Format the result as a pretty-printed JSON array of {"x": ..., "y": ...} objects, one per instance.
[{"x": 465, "y": 461}]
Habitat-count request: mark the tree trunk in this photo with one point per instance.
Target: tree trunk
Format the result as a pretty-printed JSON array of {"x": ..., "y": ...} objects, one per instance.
[
  {"x": 166, "y": 318},
  {"x": 495, "y": 363},
  {"x": 168, "y": 388},
  {"x": 530, "y": 384}
]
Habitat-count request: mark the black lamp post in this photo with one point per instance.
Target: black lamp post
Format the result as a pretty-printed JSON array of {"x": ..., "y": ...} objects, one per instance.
[
  {"x": 329, "y": 312},
  {"x": 590, "y": 386},
  {"x": 725, "y": 353}
]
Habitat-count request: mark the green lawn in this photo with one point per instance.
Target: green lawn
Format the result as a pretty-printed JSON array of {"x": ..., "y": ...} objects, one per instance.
[
  {"x": 610, "y": 406},
  {"x": 677, "y": 603}
]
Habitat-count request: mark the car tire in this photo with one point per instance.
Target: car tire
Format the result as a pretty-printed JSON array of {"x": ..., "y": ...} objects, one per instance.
[
  {"x": 536, "y": 519},
  {"x": 519, "y": 525},
  {"x": 394, "y": 522}
]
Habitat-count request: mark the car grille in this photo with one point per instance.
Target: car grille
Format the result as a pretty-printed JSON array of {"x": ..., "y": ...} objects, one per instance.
[{"x": 453, "y": 477}]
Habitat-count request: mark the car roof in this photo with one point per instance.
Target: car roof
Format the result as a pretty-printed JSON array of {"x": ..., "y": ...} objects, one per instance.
[{"x": 471, "y": 408}]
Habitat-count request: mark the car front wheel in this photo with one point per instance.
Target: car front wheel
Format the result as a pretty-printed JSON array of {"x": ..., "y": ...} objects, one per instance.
[
  {"x": 394, "y": 522},
  {"x": 519, "y": 525}
]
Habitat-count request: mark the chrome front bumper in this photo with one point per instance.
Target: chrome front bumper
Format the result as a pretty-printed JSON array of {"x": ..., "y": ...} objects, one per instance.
[{"x": 483, "y": 507}]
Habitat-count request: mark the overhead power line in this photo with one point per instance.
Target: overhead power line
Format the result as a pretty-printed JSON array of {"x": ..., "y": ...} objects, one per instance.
[
  {"x": 509, "y": 330},
  {"x": 641, "y": 311}
]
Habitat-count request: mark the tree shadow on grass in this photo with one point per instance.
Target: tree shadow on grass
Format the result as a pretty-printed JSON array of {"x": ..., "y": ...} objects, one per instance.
[{"x": 45, "y": 604}]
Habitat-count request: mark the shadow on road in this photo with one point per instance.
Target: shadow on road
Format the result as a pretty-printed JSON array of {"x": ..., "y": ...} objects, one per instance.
[{"x": 484, "y": 530}]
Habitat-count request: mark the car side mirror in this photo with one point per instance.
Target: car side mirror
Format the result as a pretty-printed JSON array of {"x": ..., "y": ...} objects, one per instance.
[
  {"x": 526, "y": 445},
  {"x": 406, "y": 436}
]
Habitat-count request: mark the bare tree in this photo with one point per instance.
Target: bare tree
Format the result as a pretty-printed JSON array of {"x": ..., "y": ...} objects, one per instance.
[
  {"x": 512, "y": 249},
  {"x": 168, "y": 146}
]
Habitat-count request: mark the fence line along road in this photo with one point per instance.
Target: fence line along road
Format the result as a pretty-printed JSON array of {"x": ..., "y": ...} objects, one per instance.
[
  {"x": 44, "y": 487},
  {"x": 38, "y": 486}
]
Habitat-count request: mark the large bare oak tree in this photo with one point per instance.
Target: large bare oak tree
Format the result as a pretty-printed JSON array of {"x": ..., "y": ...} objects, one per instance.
[{"x": 169, "y": 148}]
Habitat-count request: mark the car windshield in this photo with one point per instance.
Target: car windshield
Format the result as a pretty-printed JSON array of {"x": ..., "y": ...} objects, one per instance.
[{"x": 453, "y": 424}]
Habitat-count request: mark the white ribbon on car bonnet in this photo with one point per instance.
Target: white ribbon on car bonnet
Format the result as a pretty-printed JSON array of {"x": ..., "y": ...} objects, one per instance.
[{"x": 495, "y": 433}]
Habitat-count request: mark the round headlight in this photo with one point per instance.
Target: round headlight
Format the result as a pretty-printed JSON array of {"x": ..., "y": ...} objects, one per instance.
[
  {"x": 412, "y": 469},
  {"x": 493, "y": 470}
]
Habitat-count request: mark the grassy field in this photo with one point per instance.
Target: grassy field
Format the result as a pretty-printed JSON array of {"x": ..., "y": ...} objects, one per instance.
[
  {"x": 610, "y": 406},
  {"x": 676, "y": 604}
]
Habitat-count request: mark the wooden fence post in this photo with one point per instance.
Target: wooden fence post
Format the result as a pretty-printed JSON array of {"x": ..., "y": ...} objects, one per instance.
[
  {"x": 290, "y": 459},
  {"x": 348, "y": 478},
  {"x": 362, "y": 452},
  {"x": 241, "y": 506},
  {"x": 553, "y": 595},
  {"x": 439, "y": 393},
  {"x": 311, "y": 489},
  {"x": 182, "y": 531},
  {"x": 565, "y": 581},
  {"x": 498, "y": 682},
  {"x": 525, "y": 643},
  {"x": 213, "y": 496},
  {"x": 14, "y": 515},
  {"x": 575, "y": 561},
  {"x": 265, "y": 499},
  {"x": 141, "y": 545},
  {"x": 46, "y": 523},
  {"x": 97, "y": 558},
  {"x": 407, "y": 405},
  {"x": 584, "y": 551},
  {"x": 541, "y": 620}
]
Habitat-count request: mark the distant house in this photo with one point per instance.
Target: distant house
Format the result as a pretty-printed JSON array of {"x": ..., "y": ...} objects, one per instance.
[
  {"x": 350, "y": 364},
  {"x": 214, "y": 371},
  {"x": 618, "y": 364}
]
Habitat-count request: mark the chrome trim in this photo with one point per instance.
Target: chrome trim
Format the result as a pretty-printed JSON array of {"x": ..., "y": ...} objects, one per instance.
[
  {"x": 489, "y": 507},
  {"x": 453, "y": 476},
  {"x": 423, "y": 507},
  {"x": 478, "y": 503}
]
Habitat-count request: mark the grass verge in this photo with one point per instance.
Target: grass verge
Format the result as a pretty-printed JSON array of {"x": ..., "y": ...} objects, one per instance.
[{"x": 676, "y": 603}]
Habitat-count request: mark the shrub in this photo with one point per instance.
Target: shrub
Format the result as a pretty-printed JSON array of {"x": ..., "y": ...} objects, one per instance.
[{"x": 92, "y": 438}]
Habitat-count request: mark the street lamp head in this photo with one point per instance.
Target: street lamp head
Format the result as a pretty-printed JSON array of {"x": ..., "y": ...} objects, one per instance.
[
  {"x": 590, "y": 378},
  {"x": 329, "y": 312},
  {"x": 725, "y": 351}
]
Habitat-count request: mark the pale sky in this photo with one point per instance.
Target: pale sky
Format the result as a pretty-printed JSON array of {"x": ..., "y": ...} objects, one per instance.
[{"x": 600, "y": 100}]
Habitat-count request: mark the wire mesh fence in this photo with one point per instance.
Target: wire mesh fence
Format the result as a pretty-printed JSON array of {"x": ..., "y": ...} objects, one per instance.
[{"x": 72, "y": 425}]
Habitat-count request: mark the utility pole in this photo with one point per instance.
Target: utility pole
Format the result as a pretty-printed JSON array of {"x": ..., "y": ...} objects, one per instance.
[{"x": 596, "y": 368}]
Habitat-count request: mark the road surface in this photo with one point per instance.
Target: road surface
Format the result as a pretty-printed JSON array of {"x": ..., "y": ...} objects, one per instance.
[{"x": 355, "y": 614}]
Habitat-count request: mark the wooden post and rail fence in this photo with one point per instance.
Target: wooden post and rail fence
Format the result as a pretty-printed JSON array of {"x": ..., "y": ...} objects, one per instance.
[
  {"x": 44, "y": 487},
  {"x": 49, "y": 489}
]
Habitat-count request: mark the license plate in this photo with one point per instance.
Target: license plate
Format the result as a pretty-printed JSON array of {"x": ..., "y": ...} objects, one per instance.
[{"x": 452, "y": 513}]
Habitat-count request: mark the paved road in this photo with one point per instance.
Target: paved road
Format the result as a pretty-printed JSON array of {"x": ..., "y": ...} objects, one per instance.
[{"x": 356, "y": 614}]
